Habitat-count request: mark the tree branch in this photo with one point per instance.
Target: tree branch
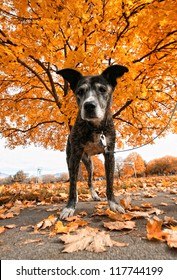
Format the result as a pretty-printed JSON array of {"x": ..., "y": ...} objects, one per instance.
[
  {"x": 53, "y": 91},
  {"x": 13, "y": 130},
  {"x": 156, "y": 48},
  {"x": 129, "y": 101}
]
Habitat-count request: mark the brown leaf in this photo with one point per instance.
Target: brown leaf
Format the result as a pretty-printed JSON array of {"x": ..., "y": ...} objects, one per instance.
[
  {"x": 114, "y": 215},
  {"x": 119, "y": 225},
  {"x": 46, "y": 223},
  {"x": 171, "y": 237},
  {"x": 164, "y": 204},
  {"x": 146, "y": 205},
  {"x": 23, "y": 228},
  {"x": 82, "y": 214},
  {"x": 126, "y": 203},
  {"x": 169, "y": 220},
  {"x": 11, "y": 226},
  {"x": 139, "y": 214},
  {"x": 2, "y": 229},
  {"x": 154, "y": 230},
  {"x": 6, "y": 216},
  {"x": 73, "y": 218},
  {"x": 29, "y": 241},
  {"x": 60, "y": 228},
  {"x": 155, "y": 211},
  {"x": 89, "y": 239}
]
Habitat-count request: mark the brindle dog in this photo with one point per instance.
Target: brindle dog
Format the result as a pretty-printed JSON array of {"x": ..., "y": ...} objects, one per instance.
[{"x": 93, "y": 132}]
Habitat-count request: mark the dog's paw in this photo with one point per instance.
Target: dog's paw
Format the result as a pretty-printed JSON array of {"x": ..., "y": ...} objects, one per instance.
[
  {"x": 95, "y": 196},
  {"x": 66, "y": 213},
  {"x": 115, "y": 207}
]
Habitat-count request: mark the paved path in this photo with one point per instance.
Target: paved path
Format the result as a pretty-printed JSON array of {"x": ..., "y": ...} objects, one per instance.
[{"x": 12, "y": 241}]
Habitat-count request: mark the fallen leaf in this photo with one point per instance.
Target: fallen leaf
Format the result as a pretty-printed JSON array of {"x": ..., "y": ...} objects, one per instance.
[
  {"x": 60, "y": 228},
  {"x": 23, "y": 228},
  {"x": 29, "y": 241},
  {"x": 6, "y": 216},
  {"x": 114, "y": 215},
  {"x": 82, "y": 214},
  {"x": 154, "y": 230},
  {"x": 155, "y": 211},
  {"x": 139, "y": 214},
  {"x": 119, "y": 225},
  {"x": 169, "y": 220},
  {"x": 46, "y": 223},
  {"x": 126, "y": 203},
  {"x": 11, "y": 226},
  {"x": 150, "y": 194},
  {"x": 99, "y": 212},
  {"x": 2, "y": 229},
  {"x": 73, "y": 218},
  {"x": 146, "y": 205},
  {"x": 171, "y": 237},
  {"x": 164, "y": 204},
  {"x": 89, "y": 239}
]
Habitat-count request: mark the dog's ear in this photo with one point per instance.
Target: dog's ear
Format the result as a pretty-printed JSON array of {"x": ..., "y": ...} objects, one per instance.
[
  {"x": 113, "y": 72},
  {"x": 71, "y": 76}
]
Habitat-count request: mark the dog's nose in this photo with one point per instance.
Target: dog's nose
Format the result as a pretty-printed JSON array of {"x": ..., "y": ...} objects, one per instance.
[{"x": 90, "y": 106}]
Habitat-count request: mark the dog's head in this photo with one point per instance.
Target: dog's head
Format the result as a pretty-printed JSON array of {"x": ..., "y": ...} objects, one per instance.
[{"x": 93, "y": 93}]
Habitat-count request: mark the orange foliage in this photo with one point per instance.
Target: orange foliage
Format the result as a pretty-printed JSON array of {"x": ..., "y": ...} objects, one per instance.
[
  {"x": 39, "y": 37},
  {"x": 98, "y": 168},
  {"x": 134, "y": 165},
  {"x": 162, "y": 166}
]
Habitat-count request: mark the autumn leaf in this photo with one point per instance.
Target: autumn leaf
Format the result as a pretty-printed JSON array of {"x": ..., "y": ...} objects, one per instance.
[
  {"x": 154, "y": 230},
  {"x": 89, "y": 239},
  {"x": 146, "y": 205},
  {"x": 60, "y": 228},
  {"x": 114, "y": 215},
  {"x": 171, "y": 236},
  {"x": 2, "y": 229},
  {"x": 117, "y": 225},
  {"x": 70, "y": 227},
  {"x": 46, "y": 223},
  {"x": 126, "y": 202},
  {"x": 169, "y": 220},
  {"x": 11, "y": 226},
  {"x": 29, "y": 241}
]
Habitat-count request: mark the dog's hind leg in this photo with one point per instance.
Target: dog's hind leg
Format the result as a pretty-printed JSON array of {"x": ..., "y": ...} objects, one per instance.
[{"x": 89, "y": 166}]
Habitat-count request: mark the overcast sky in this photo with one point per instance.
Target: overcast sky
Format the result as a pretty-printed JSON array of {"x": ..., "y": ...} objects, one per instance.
[{"x": 51, "y": 162}]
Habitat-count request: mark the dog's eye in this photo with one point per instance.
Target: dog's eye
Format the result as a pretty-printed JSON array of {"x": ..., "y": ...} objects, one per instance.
[
  {"x": 102, "y": 89},
  {"x": 80, "y": 92}
]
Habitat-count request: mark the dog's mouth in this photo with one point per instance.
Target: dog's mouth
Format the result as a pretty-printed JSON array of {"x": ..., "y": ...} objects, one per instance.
[
  {"x": 92, "y": 118},
  {"x": 92, "y": 112}
]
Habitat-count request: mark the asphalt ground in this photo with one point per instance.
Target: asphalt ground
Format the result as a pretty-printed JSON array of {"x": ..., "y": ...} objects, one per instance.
[{"x": 13, "y": 243}]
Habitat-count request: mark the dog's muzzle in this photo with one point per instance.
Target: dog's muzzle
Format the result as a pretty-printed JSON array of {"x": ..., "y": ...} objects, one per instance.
[
  {"x": 89, "y": 110},
  {"x": 90, "y": 107}
]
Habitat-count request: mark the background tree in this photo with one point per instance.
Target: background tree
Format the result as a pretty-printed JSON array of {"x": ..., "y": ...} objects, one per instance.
[
  {"x": 98, "y": 169},
  {"x": 20, "y": 177},
  {"x": 162, "y": 166},
  {"x": 39, "y": 37},
  {"x": 119, "y": 165},
  {"x": 134, "y": 165}
]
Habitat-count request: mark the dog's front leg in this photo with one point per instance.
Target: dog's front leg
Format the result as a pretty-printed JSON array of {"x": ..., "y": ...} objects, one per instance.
[
  {"x": 73, "y": 165},
  {"x": 109, "y": 169}
]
